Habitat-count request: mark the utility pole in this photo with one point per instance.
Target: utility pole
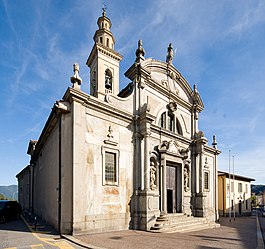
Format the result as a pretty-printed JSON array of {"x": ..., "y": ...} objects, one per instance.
[
  {"x": 229, "y": 190},
  {"x": 234, "y": 188}
]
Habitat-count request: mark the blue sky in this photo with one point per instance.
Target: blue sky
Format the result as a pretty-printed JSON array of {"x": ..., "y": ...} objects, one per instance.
[{"x": 220, "y": 47}]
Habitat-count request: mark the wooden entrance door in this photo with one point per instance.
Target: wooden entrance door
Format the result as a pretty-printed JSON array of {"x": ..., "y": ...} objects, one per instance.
[{"x": 174, "y": 189}]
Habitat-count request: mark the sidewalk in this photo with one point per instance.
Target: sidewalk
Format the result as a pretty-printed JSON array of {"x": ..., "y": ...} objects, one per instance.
[{"x": 241, "y": 233}]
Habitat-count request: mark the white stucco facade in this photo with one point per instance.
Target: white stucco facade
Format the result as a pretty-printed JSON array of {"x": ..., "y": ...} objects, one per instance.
[{"x": 113, "y": 160}]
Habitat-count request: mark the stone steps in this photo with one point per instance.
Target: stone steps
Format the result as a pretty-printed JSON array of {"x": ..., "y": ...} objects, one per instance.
[{"x": 180, "y": 223}]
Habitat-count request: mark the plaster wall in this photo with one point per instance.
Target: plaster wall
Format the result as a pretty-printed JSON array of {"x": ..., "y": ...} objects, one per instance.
[
  {"x": 239, "y": 198},
  {"x": 66, "y": 174},
  {"x": 46, "y": 174},
  {"x": 99, "y": 207},
  {"x": 24, "y": 183}
]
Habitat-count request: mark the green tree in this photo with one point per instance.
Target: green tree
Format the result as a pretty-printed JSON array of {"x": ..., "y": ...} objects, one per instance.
[
  {"x": 253, "y": 200},
  {"x": 2, "y": 197}
]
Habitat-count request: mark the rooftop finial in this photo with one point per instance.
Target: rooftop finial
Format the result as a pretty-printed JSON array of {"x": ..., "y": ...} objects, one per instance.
[
  {"x": 75, "y": 79},
  {"x": 170, "y": 54},
  {"x": 140, "y": 51},
  {"x": 104, "y": 8},
  {"x": 214, "y": 144},
  {"x": 195, "y": 94},
  {"x": 195, "y": 88}
]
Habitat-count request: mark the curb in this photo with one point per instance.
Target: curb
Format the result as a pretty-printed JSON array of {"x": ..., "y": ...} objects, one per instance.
[
  {"x": 259, "y": 234},
  {"x": 79, "y": 242}
]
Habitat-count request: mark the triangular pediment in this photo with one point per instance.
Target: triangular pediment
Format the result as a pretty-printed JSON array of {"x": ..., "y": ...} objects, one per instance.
[{"x": 171, "y": 147}]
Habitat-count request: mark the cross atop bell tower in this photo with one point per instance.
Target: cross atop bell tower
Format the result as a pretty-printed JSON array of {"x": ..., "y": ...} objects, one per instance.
[{"x": 104, "y": 61}]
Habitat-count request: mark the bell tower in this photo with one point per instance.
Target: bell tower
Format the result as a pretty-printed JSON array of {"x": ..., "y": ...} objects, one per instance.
[{"x": 104, "y": 61}]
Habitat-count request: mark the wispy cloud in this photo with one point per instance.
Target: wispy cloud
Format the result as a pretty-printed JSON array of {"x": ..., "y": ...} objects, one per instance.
[
  {"x": 248, "y": 15},
  {"x": 220, "y": 48},
  {"x": 9, "y": 19}
]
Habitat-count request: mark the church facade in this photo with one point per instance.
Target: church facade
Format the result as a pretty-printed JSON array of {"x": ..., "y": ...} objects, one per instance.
[{"x": 112, "y": 159}]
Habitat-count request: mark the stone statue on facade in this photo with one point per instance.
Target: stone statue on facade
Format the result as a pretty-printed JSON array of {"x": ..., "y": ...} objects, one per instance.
[
  {"x": 170, "y": 54},
  {"x": 186, "y": 175},
  {"x": 152, "y": 176},
  {"x": 75, "y": 79},
  {"x": 140, "y": 52}
]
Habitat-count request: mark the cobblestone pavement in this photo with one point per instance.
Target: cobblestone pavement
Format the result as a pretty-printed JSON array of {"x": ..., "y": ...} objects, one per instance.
[{"x": 239, "y": 233}]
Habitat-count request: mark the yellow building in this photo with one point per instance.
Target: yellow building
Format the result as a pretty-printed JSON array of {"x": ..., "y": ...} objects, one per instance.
[{"x": 234, "y": 194}]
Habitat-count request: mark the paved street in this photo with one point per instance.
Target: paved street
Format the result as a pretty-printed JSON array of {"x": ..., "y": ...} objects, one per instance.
[
  {"x": 238, "y": 234},
  {"x": 16, "y": 235},
  {"x": 241, "y": 233}
]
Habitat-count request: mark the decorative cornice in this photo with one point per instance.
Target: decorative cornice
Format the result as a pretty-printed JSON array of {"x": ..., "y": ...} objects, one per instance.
[
  {"x": 171, "y": 135},
  {"x": 103, "y": 50},
  {"x": 96, "y": 104}
]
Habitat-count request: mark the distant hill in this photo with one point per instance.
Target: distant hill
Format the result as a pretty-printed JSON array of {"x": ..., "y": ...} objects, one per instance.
[
  {"x": 9, "y": 192},
  {"x": 257, "y": 188}
]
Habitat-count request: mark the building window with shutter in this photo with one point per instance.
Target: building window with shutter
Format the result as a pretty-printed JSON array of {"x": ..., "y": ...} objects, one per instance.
[
  {"x": 239, "y": 187},
  {"x": 232, "y": 186}
]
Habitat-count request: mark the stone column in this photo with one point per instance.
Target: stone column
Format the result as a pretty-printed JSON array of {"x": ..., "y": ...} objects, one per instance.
[
  {"x": 137, "y": 160},
  {"x": 197, "y": 165},
  {"x": 164, "y": 187},
  {"x": 142, "y": 163},
  {"x": 146, "y": 161},
  {"x": 200, "y": 173}
]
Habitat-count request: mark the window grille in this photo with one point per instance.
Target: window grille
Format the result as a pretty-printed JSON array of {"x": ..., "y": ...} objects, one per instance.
[
  {"x": 110, "y": 167},
  {"x": 206, "y": 180}
]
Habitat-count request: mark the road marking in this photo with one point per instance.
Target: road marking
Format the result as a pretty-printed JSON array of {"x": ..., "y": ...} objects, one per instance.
[
  {"x": 63, "y": 245},
  {"x": 38, "y": 246},
  {"x": 35, "y": 234}
]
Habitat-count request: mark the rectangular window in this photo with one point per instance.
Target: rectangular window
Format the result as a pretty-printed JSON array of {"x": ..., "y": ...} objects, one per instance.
[
  {"x": 206, "y": 180},
  {"x": 110, "y": 167},
  {"x": 232, "y": 187},
  {"x": 110, "y": 159},
  {"x": 246, "y": 189},
  {"x": 240, "y": 187},
  {"x": 246, "y": 204}
]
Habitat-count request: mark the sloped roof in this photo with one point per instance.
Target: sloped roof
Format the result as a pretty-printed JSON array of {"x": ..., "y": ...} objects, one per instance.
[{"x": 237, "y": 177}]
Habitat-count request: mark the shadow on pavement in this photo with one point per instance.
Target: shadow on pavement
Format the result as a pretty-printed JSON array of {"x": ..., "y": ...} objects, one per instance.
[{"x": 21, "y": 225}]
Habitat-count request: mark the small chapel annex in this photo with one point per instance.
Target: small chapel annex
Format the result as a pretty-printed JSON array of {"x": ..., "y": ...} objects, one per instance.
[{"x": 129, "y": 159}]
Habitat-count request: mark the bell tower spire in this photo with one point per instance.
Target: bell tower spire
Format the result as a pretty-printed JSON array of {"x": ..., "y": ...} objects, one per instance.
[{"x": 103, "y": 60}]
